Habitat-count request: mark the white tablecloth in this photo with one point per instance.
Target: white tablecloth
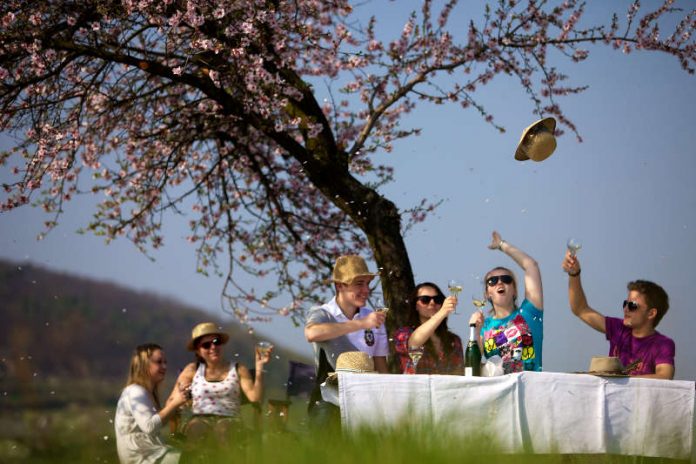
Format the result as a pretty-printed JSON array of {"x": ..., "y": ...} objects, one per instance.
[{"x": 533, "y": 411}]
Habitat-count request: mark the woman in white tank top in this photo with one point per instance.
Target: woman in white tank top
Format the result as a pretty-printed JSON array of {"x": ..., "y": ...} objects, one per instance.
[{"x": 214, "y": 385}]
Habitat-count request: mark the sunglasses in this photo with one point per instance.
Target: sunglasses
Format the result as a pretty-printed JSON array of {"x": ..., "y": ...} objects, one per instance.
[
  {"x": 425, "y": 299},
  {"x": 631, "y": 305},
  {"x": 207, "y": 345},
  {"x": 506, "y": 279}
]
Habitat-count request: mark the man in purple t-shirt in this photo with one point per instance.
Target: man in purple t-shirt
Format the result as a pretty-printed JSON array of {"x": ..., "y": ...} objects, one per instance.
[{"x": 634, "y": 340}]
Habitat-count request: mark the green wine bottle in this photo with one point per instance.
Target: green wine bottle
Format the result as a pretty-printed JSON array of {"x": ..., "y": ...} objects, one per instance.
[{"x": 472, "y": 358}]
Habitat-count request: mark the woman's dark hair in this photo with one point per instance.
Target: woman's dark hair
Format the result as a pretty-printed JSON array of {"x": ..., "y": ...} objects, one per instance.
[{"x": 442, "y": 331}]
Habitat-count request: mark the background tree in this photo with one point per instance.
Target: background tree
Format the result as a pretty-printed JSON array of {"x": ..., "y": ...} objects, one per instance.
[{"x": 260, "y": 120}]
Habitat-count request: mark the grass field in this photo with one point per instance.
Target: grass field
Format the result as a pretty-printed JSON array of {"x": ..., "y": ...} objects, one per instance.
[{"x": 84, "y": 434}]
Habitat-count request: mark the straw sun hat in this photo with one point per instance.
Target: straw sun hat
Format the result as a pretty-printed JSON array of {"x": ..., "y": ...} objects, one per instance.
[
  {"x": 205, "y": 328},
  {"x": 350, "y": 267},
  {"x": 352, "y": 361},
  {"x": 537, "y": 142},
  {"x": 606, "y": 366}
]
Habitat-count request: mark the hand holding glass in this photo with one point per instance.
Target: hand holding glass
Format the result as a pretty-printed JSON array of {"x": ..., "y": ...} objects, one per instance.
[
  {"x": 415, "y": 353},
  {"x": 574, "y": 246},
  {"x": 381, "y": 307},
  {"x": 264, "y": 348}
]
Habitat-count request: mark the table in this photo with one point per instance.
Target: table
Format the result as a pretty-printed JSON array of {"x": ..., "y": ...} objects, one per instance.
[{"x": 534, "y": 412}]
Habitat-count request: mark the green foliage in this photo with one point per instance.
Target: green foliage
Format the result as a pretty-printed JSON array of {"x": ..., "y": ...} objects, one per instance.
[{"x": 85, "y": 434}]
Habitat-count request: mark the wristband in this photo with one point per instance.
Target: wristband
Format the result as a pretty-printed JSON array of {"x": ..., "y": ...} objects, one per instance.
[
  {"x": 500, "y": 244},
  {"x": 576, "y": 274}
]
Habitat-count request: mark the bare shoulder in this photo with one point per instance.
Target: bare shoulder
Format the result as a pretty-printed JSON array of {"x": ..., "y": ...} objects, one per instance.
[{"x": 188, "y": 372}]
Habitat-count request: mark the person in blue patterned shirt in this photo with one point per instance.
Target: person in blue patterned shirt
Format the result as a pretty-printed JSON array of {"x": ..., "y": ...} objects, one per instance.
[{"x": 513, "y": 332}]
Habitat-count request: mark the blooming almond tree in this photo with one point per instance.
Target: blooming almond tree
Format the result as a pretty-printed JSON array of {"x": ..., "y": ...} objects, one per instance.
[{"x": 258, "y": 119}]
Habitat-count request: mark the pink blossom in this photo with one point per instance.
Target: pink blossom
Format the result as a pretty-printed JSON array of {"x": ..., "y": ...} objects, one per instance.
[{"x": 8, "y": 19}]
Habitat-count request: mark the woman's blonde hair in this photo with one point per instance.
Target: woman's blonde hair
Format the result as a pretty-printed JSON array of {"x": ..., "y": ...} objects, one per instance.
[{"x": 139, "y": 372}]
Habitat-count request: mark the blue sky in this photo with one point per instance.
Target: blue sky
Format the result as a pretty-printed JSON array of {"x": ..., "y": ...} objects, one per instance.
[{"x": 627, "y": 192}]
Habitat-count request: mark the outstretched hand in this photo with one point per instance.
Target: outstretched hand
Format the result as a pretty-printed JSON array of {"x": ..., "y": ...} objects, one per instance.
[
  {"x": 263, "y": 356},
  {"x": 450, "y": 305},
  {"x": 495, "y": 241},
  {"x": 374, "y": 319}
]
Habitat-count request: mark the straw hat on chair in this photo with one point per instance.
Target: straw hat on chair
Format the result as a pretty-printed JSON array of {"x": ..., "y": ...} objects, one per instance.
[{"x": 353, "y": 361}]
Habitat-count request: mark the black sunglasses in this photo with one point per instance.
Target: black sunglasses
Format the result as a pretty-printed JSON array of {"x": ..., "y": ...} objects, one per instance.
[
  {"x": 214, "y": 341},
  {"x": 506, "y": 279},
  {"x": 425, "y": 299},
  {"x": 632, "y": 305}
]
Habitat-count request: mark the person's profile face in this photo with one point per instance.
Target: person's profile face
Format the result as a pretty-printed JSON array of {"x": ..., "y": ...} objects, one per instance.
[{"x": 157, "y": 368}]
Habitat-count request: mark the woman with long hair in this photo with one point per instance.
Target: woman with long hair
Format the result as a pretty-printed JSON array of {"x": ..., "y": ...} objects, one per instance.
[
  {"x": 214, "y": 385},
  {"x": 513, "y": 332},
  {"x": 139, "y": 415},
  {"x": 427, "y": 327}
]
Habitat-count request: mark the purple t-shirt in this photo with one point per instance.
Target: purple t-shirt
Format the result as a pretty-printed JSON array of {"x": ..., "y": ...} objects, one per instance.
[{"x": 651, "y": 351}]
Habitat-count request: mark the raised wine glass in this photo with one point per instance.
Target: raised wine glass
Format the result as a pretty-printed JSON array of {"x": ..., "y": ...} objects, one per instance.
[
  {"x": 264, "y": 347},
  {"x": 478, "y": 303},
  {"x": 574, "y": 246},
  {"x": 455, "y": 288},
  {"x": 415, "y": 353},
  {"x": 381, "y": 307}
]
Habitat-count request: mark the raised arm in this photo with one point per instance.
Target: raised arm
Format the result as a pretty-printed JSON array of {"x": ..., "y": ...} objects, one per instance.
[
  {"x": 253, "y": 387},
  {"x": 532, "y": 275},
  {"x": 421, "y": 335},
  {"x": 576, "y": 295}
]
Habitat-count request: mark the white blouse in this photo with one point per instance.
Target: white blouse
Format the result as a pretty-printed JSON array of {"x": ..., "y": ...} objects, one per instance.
[{"x": 137, "y": 427}]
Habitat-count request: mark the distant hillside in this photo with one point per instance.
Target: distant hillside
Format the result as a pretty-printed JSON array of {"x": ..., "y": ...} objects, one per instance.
[{"x": 58, "y": 326}]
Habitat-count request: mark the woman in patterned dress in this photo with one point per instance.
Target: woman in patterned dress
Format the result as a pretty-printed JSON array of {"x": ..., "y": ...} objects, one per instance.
[
  {"x": 214, "y": 384},
  {"x": 427, "y": 327}
]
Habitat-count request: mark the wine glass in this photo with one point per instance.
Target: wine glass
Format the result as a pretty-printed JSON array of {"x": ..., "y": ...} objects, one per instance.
[
  {"x": 573, "y": 246},
  {"x": 415, "y": 353},
  {"x": 381, "y": 307},
  {"x": 455, "y": 287},
  {"x": 478, "y": 303},
  {"x": 264, "y": 348}
]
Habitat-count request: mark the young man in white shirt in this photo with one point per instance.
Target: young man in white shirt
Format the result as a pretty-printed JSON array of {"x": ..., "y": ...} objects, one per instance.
[{"x": 345, "y": 324}]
